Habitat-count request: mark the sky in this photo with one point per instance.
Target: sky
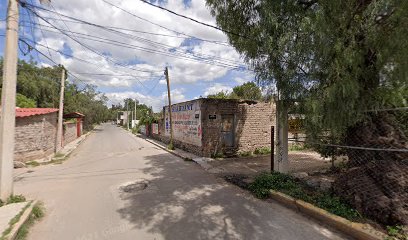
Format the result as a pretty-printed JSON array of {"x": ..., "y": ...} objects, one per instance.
[{"x": 134, "y": 68}]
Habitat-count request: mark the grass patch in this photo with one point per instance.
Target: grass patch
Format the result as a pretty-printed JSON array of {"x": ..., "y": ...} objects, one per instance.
[
  {"x": 59, "y": 155},
  {"x": 16, "y": 199},
  {"x": 297, "y": 147},
  {"x": 170, "y": 146},
  {"x": 13, "y": 199},
  {"x": 396, "y": 233},
  {"x": 33, "y": 163},
  {"x": 36, "y": 214},
  {"x": 288, "y": 185},
  {"x": 13, "y": 221},
  {"x": 217, "y": 155},
  {"x": 245, "y": 154},
  {"x": 56, "y": 161},
  {"x": 262, "y": 151}
]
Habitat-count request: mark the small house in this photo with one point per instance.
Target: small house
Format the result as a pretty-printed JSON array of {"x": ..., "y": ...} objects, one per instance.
[{"x": 209, "y": 127}]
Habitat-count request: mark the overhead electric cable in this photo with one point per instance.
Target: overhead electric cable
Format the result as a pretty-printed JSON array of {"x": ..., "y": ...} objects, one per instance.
[{"x": 189, "y": 18}]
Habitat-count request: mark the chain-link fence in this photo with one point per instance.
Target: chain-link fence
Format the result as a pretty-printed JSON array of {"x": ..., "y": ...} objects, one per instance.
[{"x": 368, "y": 166}]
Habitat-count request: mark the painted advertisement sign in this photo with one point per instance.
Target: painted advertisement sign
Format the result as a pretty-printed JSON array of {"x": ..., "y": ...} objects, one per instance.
[{"x": 186, "y": 118}]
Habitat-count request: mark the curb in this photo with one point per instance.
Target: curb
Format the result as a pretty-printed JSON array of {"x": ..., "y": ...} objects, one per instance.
[
  {"x": 23, "y": 219},
  {"x": 84, "y": 137},
  {"x": 163, "y": 148},
  {"x": 357, "y": 230}
]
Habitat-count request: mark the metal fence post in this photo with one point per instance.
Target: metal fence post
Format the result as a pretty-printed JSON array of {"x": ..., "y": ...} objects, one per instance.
[{"x": 272, "y": 148}]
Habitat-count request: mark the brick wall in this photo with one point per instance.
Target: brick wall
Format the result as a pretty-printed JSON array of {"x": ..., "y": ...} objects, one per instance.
[
  {"x": 254, "y": 126},
  {"x": 70, "y": 132},
  {"x": 252, "y": 123},
  {"x": 35, "y": 136}
]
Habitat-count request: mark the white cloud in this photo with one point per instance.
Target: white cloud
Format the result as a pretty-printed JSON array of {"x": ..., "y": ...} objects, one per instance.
[
  {"x": 216, "y": 88},
  {"x": 142, "y": 50},
  {"x": 156, "y": 103}
]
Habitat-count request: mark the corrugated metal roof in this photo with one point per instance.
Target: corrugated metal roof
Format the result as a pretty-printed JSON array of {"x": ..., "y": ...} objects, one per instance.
[{"x": 26, "y": 112}]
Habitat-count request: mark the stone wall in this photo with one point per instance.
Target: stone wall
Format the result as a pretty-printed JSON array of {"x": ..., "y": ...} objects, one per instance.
[
  {"x": 35, "y": 136},
  {"x": 70, "y": 132}
]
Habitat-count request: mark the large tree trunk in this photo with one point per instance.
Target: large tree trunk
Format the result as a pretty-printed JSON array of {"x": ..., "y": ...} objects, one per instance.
[{"x": 376, "y": 182}]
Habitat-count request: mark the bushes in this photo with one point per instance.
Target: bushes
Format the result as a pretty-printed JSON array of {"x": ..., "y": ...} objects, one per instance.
[
  {"x": 288, "y": 185},
  {"x": 262, "y": 151}
]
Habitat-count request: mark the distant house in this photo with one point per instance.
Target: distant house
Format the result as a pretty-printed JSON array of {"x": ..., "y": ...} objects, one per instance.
[
  {"x": 36, "y": 132},
  {"x": 72, "y": 127}
]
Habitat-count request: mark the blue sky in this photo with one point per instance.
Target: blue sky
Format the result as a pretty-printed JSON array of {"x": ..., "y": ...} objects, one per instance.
[{"x": 165, "y": 47}]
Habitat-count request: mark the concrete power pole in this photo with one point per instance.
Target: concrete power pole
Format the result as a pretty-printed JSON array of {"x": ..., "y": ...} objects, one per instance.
[
  {"x": 166, "y": 72},
  {"x": 282, "y": 161},
  {"x": 135, "y": 111},
  {"x": 58, "y": 143},
  {"x": 127, "y": 114},
  {"x": 8, "y": 102}
]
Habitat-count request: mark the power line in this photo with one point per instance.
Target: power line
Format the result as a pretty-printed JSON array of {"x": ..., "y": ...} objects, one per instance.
[
  {"x": 239, "y": 68},
  {"x": 76, "y": 58},
  {"x": 145, "y": 32},
  {"x": 50, "y": 59},
  {"x": 91, "y": 49},
  {"x": 176, "y": 53},
  {"x": 139, "y": 38},
  {"x": 143, "y": 19},
  {"x": 191, "y": 19}
]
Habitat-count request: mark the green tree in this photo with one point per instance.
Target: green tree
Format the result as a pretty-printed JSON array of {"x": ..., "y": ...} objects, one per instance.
[
  {"x": 342, "y": 60},
  {"x": 220, "y": 95},
  {"x": 249, "y": 91},
  {"x": 24, "y": 102},
  {"x": 39, "y": 87}
]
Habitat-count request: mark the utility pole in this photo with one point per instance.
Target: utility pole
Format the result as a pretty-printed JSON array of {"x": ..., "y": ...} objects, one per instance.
[
  {"x": 8, "y": 102},
  {"x": 127, "y": 114},
  {"x": 166, "y": 72},
  {"x": 135, "y": 111},
  {"x": 58, "y": 143},
  {"x": 282, "y": 161}
]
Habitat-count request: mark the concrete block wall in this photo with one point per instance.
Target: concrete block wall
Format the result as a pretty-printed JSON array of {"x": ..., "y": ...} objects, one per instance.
[
  {"x": 70, "y": 132},
  {"x": 35, "y": 136}
]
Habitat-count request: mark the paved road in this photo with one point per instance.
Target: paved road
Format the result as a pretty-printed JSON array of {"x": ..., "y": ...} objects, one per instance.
[{"x": 89, "y": 197}]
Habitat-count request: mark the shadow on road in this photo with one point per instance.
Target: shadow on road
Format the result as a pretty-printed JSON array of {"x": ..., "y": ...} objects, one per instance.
[{"x": 183, "y": 202}]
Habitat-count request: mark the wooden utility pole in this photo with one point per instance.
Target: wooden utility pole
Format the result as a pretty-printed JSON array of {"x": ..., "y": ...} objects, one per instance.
[
  {"x": 58, "y": 141},
  {"x": 8, "y": 102},
  {"x": 166, "y": 72}
]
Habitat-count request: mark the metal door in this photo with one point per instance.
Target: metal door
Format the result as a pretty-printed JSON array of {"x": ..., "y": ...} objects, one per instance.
[{"x": 227, "y": 130}]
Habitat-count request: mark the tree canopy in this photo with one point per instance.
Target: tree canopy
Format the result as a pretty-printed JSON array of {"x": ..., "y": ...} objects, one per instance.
[
  {"x": 340, "y": 58},
  {"x": 39, "y": 87},
  {"x": 248, "y": 91},
  {"x": 342, "y": 62}
]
